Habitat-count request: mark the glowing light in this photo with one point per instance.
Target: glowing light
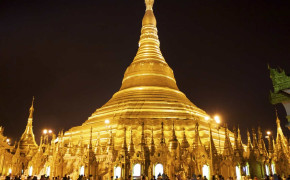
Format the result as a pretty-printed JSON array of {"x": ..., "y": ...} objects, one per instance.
[
  {"x": 205, "y": 171},
  {"x": 246, "y": 170},
  {"x": 7, "y": 140},
  {"x": 267, "y": 170},
  {"x": 117, "y": 172},
  {"x": 273, "y": 168},
  {"x": 107, "y": 121},
  {"x": 238, "y": 172},
  {"x": 49, "y": 131},
  {"x": 44, "y": 131},
  {"x": 48, "y": 171},
  {"x": 137, "y": 170},
  {"x": 82, "y": 170},
  {"x": 30, "y": 171},
  {"x": 206, "y": 118},
  {"x": 158, "y": 170},
  {"x": 269, "y": 133},
  {"x": 217, "y": 119},
  {"x": 10, "y": 171},
  {"x": 56, "y": 140}
]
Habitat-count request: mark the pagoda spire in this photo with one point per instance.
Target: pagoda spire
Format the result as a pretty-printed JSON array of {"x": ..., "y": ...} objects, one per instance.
[
  {"x": 236, "y": 146},
  {"x": 149, "y": 62},
  {"x": 149, "y": 4},
  {"x": 249, "y": 145},
  {"x": 261, "y": 142},
  {"x": 240, "y": 143},
  {"x": 184, "y": 143},
  {"x": 131, "y": 146},
  {"x": 152, "y": 148},
  {"x": 280, "y": 134},
  {"x": 213, "y": 149},
  {"x": 197, "y": 142},
  {"x": 255, "y": 143},
  {"x": 143, "y": 142},
  {"x": 27, "y": 139},
  {"x": 228, "y": 149},
  {"x": 162, "y": 141},
  {"x": 31, "y": 110},
  {"x": 173, "y": 142},
  {"x": 124, "y": 146}
]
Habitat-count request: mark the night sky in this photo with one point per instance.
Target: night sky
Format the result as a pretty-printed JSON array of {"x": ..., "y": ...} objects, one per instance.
[{"x": 71, "y": 55}]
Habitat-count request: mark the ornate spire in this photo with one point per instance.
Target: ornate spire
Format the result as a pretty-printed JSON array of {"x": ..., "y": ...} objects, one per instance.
[
  {"x": 197, "y": 142},
  {"x": 255, "y": 143},
  {"x": 280, "y": 134},
  {"x": 143, "y": 142},
  {"x": 152, "y": 148},
  {"x": 149, "y": 63},
  {"x": 228, "y": 150},
  {"x": 162, "y": 140},
  {"x": 212, "y": 145},
  {"x": 149, "y": 4},
  {"x": 236, "y": 146},
  {"x": 240, "y": 143},
  {"x": 27, "y": 139},
  {"x": 173, "y": 142},
  {"x": 31, "y": 110},
  {"x": 131, "y": 146},
  {"x": 249, "y": 145},
  {"x": 261, "y": 142},
  {"x": 184, "y": 143},
  {"x": 124, "y": 146}
]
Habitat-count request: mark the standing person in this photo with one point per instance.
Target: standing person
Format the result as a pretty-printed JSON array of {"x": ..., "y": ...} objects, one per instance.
[{"x": 7, "y": 177}]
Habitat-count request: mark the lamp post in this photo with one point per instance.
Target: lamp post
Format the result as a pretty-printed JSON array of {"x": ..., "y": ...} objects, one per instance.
[
  {"x": 46, "y": 133},
  {"x": 269, "y": 141}
]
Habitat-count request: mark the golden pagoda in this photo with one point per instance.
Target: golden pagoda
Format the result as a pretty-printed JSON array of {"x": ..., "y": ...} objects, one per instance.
[
  {"x": 148, "y": 94},
  {"x": 168, "y": 134},
  {"x": 27, "y": 140}
]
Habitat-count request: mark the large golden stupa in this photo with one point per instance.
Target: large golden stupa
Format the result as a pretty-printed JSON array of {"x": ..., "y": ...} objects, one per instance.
[
  {"x": 183, "y": 140},
  {"x": 148, "y": 94}
]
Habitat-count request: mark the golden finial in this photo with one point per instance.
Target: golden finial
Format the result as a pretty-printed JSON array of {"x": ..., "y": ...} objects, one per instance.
[
  {"x": 149, "y": 4},
  {"x": 31, "y": 109}
]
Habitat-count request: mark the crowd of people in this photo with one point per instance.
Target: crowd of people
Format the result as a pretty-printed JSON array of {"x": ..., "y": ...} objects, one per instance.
[{"x": 159, "y": 177}]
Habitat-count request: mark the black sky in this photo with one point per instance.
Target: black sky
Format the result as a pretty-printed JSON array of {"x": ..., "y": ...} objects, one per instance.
[{"x": 71, "y": 55}]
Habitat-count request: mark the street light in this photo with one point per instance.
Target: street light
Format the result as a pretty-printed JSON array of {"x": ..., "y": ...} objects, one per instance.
[
  {"x": 270, "y": 147},
  {"x": 8, "y": 141},
  {"x": 46, "y": 133},
  {"x": 217, "y": 119}
]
